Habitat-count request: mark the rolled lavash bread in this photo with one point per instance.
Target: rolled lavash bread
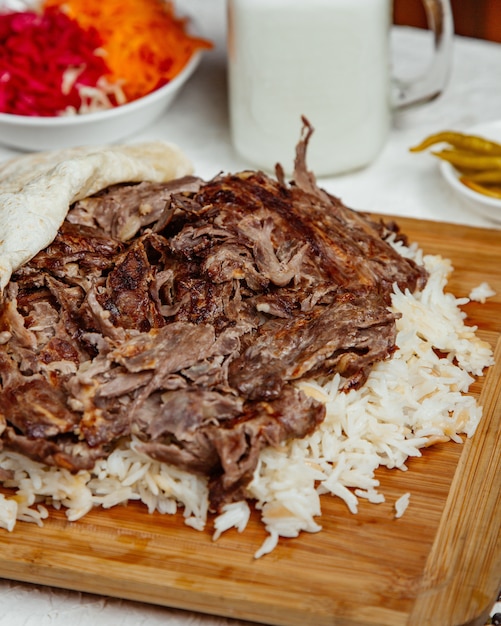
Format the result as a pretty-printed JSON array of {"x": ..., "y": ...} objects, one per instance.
[{"x": 37, "y": 190}]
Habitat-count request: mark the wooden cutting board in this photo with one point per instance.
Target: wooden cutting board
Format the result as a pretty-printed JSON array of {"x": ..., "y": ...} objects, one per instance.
[{"x": 438, "y": 565}]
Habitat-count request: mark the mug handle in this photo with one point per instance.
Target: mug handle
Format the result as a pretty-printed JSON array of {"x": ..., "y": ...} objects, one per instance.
[{"x": 431, "y": 83}]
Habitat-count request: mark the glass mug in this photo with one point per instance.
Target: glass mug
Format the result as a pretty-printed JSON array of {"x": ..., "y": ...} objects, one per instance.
[{"x": 328, "y": 60}]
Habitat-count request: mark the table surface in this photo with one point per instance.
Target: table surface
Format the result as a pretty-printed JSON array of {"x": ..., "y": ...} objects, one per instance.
[{"x": 397, "y": 183}]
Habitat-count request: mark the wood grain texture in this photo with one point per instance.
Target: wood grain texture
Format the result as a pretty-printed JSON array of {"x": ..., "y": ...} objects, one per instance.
[{"x": 440, "y": 564}]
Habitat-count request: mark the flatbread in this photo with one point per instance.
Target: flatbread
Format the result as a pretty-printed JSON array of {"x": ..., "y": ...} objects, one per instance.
[{"x": 36, "y": 190}]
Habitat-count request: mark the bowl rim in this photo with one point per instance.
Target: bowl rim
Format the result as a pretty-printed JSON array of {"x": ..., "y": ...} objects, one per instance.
[
  {"x": 95, "y": 116},
  {"x": 451, "y": 174}
]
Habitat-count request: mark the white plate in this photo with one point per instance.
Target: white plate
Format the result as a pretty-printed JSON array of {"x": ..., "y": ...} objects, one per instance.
[
  {"x": 48, "y": 133},
  {"x": 485, "y": 205}
]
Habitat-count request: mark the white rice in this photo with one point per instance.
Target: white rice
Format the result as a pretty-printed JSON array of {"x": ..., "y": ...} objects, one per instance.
[
  {"x": 401, "y": 504},
  {"x": 410, "y": 401},
  {"x": 481, "y": 292}
]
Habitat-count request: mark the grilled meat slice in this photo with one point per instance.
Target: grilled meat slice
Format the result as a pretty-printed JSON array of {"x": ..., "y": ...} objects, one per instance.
[
  {"x": 222, "y": 437},
  {"x": 348, "y": 337}
]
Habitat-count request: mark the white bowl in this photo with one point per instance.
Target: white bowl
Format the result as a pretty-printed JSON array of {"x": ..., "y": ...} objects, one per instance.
[
  {"x": 48, "y": 133},
  {"x": 479, "y": 203}
]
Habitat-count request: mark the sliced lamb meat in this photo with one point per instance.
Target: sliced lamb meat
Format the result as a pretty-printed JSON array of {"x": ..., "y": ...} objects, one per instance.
[
  {"x": 348, "y": 337},
  {"x": 127, "y": 295},
  {"x": 217, "y": 435},
  {"x": 184, "y": 411},
  {"x": 65, "y": 452},
  {"x": 182, "y": 314},
  {"x": 91, "y": 249},
  {"x": 36, "y": 408},
  {"x": 122, "y": 210}
]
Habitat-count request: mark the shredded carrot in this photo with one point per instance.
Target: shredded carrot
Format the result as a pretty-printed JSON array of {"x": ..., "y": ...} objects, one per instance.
[{"x": 145, "y": 45}]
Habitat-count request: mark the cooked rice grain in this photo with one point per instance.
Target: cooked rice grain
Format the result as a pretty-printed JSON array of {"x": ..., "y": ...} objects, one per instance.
[
  {"x": 481, "y": 292},
  {"x": 401, "y": 504},
  {"x": 409, "y": 402}
]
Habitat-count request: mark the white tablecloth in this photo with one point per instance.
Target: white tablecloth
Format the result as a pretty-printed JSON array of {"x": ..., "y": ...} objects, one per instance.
[{"x": 397, "y": 183}]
